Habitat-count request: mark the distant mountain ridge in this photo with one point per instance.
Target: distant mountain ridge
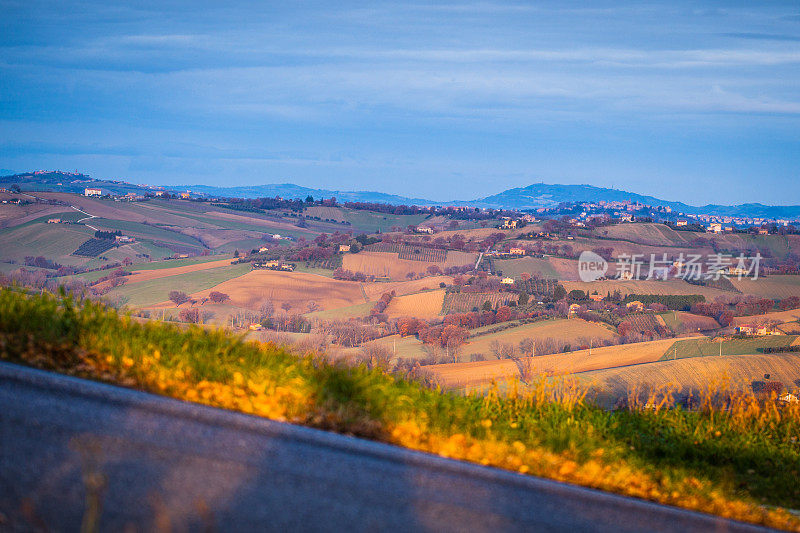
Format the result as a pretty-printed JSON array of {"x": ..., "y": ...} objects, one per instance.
[{"x": 533, "y": 196}]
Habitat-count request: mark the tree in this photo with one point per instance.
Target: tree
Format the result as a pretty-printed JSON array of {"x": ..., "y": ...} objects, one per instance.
[
  {"x": 266, "y": 309},
  {"x": 218, "y": 297},
  {"x": 523, "y": 299},
  {"x": 559, "y": 292},
  {"x": 236, "y": 253},
  {"x": 312, "y": 306},
  {"x": 286, "y": 306},
  {"x": 527, "y": 346},
  {"x": 190, "y": 315},
  {"x": 178, "y": 297}
]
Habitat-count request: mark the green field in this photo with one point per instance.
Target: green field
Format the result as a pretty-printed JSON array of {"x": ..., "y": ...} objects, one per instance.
[
  {"x": 514, "y": 268},
  {"x": 707, "y": 347},
  {"x": 145, "y": 231},
  {"x": 157, "y": 290},
  {"x": 53, "y": 241}
]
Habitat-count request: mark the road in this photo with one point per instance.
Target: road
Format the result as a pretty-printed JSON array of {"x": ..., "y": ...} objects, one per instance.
[{"x": 149, "y": 462}]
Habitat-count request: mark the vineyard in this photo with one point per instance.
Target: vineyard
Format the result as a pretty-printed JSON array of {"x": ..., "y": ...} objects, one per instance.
[
  {"x": 94, "y": 247},
  {"x": 422, "y": 253},
  {"x": 465, "y": 302},
  {"x": 646, "y": 323},
  {"x": 387, "y": 247},
  {"x": 411, "y": 252}
]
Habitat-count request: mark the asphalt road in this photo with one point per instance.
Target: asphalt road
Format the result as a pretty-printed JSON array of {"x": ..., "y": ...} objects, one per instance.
[{"x": 155, "y": 463}]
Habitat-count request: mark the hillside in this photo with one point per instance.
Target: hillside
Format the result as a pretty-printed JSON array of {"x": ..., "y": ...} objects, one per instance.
[{"x": 530, "y": 197}]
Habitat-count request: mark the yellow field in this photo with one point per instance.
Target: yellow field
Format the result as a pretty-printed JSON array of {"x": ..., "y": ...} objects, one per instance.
[
  {"x": 672, "y": 286},
  {"x": 697, "y": 373},
  {"x": 573, "y": 331},
  {"x": 455, "y": 375},
  {"x": 421, "y": 305},
  {"x": 375, "y": 290},
  {"x": 295, "y": 288},
  {"x": 778, "y": 316},
  {"x": 771, "y": 287},
  {"x": 388, "y": 264}
]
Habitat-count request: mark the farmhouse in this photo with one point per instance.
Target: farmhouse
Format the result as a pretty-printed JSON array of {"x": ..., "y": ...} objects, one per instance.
[
  {"x": 159, "y": 193},
  {"x": 256, "y": 327},
  {"x": 714, "y": 227},
  {"x": 263, "y": 249},
  {"x": 635, "y": 306},
  {"x": 424, "y": 229},
  {"x": 344, "y": 248},
  {"x": 124, "y": 239},
  {"x": 507, "y": 281},
  {"x": 680, "y": 223},
  {"x": 596, "y": 297},
  {"x": 754, "y": 330},
  {"x": 54, "y": 221},
  {"x": 574, "y": 308},
  {"x": 626, "y": 218},
  {"x": 88, "y": 191},
  {"x": 517, "y": 251},
  {"x": 186, "y": 195},
  {"x": 508, "y": 224}
]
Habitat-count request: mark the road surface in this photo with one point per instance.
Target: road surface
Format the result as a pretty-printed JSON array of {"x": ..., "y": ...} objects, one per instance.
[{"x": 153, "y": 463}]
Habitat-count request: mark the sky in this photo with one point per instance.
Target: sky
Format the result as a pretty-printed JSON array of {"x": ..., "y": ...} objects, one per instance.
[{"x": 689, "y": 101}]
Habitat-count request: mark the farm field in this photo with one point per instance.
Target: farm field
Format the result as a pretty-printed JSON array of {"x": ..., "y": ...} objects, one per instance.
[
  {"x": 776, "y": 316},
  {"x": 683, "y": 322},
  {"x": 572, "y": 331},
  {"x": 54, "y": 241},
  {"x": 776, "y": 287},
  {"x": 705, "y": 347},
  {"x": 649, "y": 234},
  {"x": 295, "y": 288},
  {"x": 388, "y": 264},
  {"x": 420, "y": 305},
  {"x": 738, "y": 372},
  {"x": 466, "y": 302},
  {"x": 343, "y": 313},
  {"x": 373, "y": 291},
  {"x": 625, "y": 287},
  {"x": 156, "y": 291},
  {"x": 139, "y": 276},
  {"x": 536, "y": 266},
  {"x": 368, "y": 221},
  {"x": 459, "y": 375}
]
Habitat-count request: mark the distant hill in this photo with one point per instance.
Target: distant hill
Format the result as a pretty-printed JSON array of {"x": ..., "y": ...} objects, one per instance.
[
  {"x": 531, "y": 197},
  {"x": 289, "y": 190}
]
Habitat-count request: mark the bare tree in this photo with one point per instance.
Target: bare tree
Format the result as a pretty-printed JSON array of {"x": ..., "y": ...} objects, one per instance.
[
  {"x": 376, "y": 355},
  {"x": 312, "y": 306},
  {"x": 527, "y": 346},
  {"x": 266, "y": 309}
]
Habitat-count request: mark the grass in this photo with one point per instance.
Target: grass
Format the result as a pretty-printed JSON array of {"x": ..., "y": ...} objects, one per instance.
[
  {"x": 739, "y": 462},
  {"x": 146, "y": 231},
  {"x": 706, "y": 347},
  {"x": 157, "y": 290}
]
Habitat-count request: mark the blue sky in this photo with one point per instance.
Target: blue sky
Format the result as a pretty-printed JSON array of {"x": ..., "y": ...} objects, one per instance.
[{"x": 698, "y": 102}]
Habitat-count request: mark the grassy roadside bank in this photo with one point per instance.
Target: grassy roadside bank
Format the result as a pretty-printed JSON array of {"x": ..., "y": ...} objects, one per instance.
[{"x": 742, "y": 462}]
